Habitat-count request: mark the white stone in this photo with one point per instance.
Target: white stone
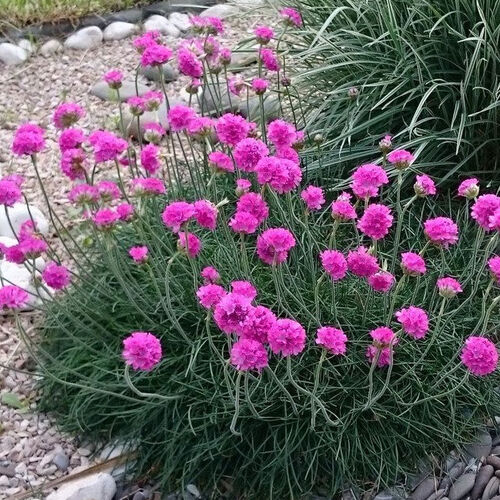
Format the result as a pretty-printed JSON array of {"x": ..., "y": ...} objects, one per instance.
[
  {"x": 18, "y": 214},
  {"x": 51, "y": 47},
  {"x": 161, "y": 24},
  {"x": 26, "y": 45},
  {"x": 248, "y": 3},
  {"x": 220, "y": 10},
  {"x": 84, "y": 39},
  {"x": 180, "y": 20},
  {"x": 11, "y": 54},
  {"x": 100, "y": 486},
  {"x": 119, "y": 30}
]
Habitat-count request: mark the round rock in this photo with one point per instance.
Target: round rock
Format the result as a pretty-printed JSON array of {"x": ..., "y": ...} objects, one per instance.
[
  {"x": 119, "y": 30},
  {"x": 220, "y": 10},
  {"x": 26, "y": 45},
  {"x": 103, "y": 91},
  {"x": 161, "y": 24},
  {"x": 152, "y": 73},
  {"x": 425, "y": 489},
  {"x": 481, "y": 446},
  {"x": 180, "y": 20},
  {"x": 85, "y": 39},
  {"x": 51, "y": 47},
  {"x": 462, "y": 486},
  {"x": 61, "y": 461},
  {"x": 12, "y": 55}
]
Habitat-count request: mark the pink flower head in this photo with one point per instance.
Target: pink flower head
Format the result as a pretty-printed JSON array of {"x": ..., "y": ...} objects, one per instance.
[
  {"x": 484, "y": 207},
  {"x": 342, "y": 209},
  {"x": 220, "y": 162},
  {"x": 381, "y": 281},
  {"x": 257, "y": 324},
  {"x": 494, "y": 266},
  {"x": 189, "y": 64},
  {"x": 71, "y": 138},
  {"x": 108, "y": 191},
  {"x": 106, "y": 218},
  {"x": 254, "y": 204},
  {"x": 113, "y": 78},
  {"x": 384, "y": 355},
  {"x": 176, "y": 214},
  {"x": 193, "y": 246},
  {"x": 56, "y": 276},
  {"x": 153, "y": 132},
  {"x": 13, "y": 254},
  {"x": 414, "y": 321},
  {"x": 155, "y": 55},
  {"x": 150, "y": 158},
  {"x": 361, "y": 263},
  {"x": 376, "y": 221},
  {"x": 107, "y": 146},
  {"x": 382, "y": 336},
  {"x": 125, "y": 212},
  {"x": 12, "y": 297},
  {"x": 210, "y": 275},
  {"x": 225, "y": 56},
  {"x": 269, "y": 59},
  {"x": 73, "y": 163},
  {"x": 334, "y": 263},
  {"x": 242, "y": 186},
  {"x": 288, "y": 153},
  {"x": 137, "y": 105},
  {"x": 244, "y": 288},
  {"x": 263, "y": 34},
  {"x": 282, "y": 175},
  {"x": 210, "y": 295},
  {"x": 10, "y": 193},
  {"x": 332, "y": 339},
  {"x": 147, "y": 186},
  {"x": 274, "y": 244},
  {"x": 139, "y": 254},
  {"x": 200, "y": 127},
  {"x": 152, "y": 100},
  {"x": 208, "y": 25},
  {"x": 28, "y": 140},
  {"x": 495, "y": 220},
  {"x": 385, "y": 144},
  {"x": 313, "y": 197},
  {"x": 400, "y": 158},
  {"x": 469, "y": 188},
  {"x": 448, "y": 287},
  {"x": 236, "y": 85},
  {"x": 441, "y": 231},
  {"x": 26, "y": 230},
  {"x": 281, "y": 133},
  {"x": 424, "y": 186},
  {"x": 145, "y": 40},
  {"x": 412, "y": 264},
  {"x": 480, "y": 356},
  {"x": 232, "y": 129},
  {"x": 179, "y": 117},
  {"x": 367, "y": 180},
  {"x": 67, "y": 114},
  {"x": 291, "y": 17},
  {"x": 287, "y": 337},
  {"x": 83, "y": 194},
  {"x": 205, "y": 214},
  {"x": 32, "y": 247},
  {"x": 248, "y": 354},
  {"x": 231, "y": 312},
  {"x": 243, "y": 222},
  {"x": 142, "y": 351},
  {"x": 248, "y": 152}
]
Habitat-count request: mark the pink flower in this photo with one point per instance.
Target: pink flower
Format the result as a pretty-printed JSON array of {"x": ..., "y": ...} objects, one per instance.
[
  {"x": 382, "y": 336},
  {"x": 441, "y": 231},
  {"x": 480, "y": 356},
  {"x": 210, "y": 295},
  {"x": 145, "y": 40},
  {"x": 414, "y": 321},
  {"x": 220, "y": 161},
  {"x": 334, "y": 263},
  {"x": 259, "y": 85},
  {"x": 242, "y": 186},
  {"x": 484, "y": 207},
  {"x": 342, "y": 209},
  {"x": 176, "y": 214},
  {"x": 232, "y": 129},
  {"x": 208, "y": 25},
  {"x": 469, "y": 188},
  {"x": 274, "y": 244},
  {"x": 147, "y": 186},
  {"x": 381, "y": 281},
  {"x": 448, "y": 287},
  {"x": 236, "y": 85},
  {"x": 367, "y": 180},
  {"x": 125, "y": 211},
  {"x": 384, "y": 355},
  {"x": 71, "y": 138},
  {"x": 244, "y": 288},
  {"x": 287, "y": 337},
  {"x": 269, "y": 59},
  {"x": 155, "y": 55},
  {"x": 361, "y": 263},
  {"x": 105, "y": 218},
  {"x": 200, "y": 127},
  {"x": 210, "y": 275},
  {"x": 385, "y": 144},
  {"x": 152, "y": 100},
  {"x": 495, "y": 220},
  {"x": 139, "y": 254},
  {"x": 288, "y": 153},
  {"x": 193, "y": 247},
  {"x": 248, "y": 152},
  {"x": 83, "y": 194},
  {"x": 332, "y": 339},
  {"x": 248, "y": 354},
  {"x": 73, "y": 163},
  {"x": 108, "y": 191},
  {"x": 28, "y": 140},
  {"x": 107, "y": 146},
  {"x": 225, "y": 56},
  {"x": 313, "y": 197},
  {"x": 243, "y": 222},
  {"x": 376, "y": 221},
  {"x": 257, "y": 324},
  {"x": 153, "y": 132},
  {"x": 424, "y": 186},
  {"x": 10, "y": 192},
  {"x": 282, "y": 175},
  {"x": 32, "y": 247},
  {"x": 56, "y": 276},
  {"x": 66, "y": 114},
  {"x": 13, "y": 254},
  {"x": 179, "y": 117},
  {"x": 281, "y": 133},
  {"x": 188, "y": 63},
  {"x": 205, "y": 214},
  {"x": 150, "y": 158},
  {"x": 291, "y": 17},
  {"x": 263, "y": 34},
  {"x": 231, "y": 312},
  {"x": 412, "y": 264},
  {"x": 142, "y": 351},
  {"x": 113, "y": 78},
  {"x": 254, "y": 204},
  {"x": 494, "y": 266},
  {"x": 400, "y": 158},
  {"x": 12, "y": 297}
]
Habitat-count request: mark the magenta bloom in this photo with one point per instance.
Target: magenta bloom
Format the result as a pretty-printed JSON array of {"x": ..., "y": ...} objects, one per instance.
[
  {"x": 145, "y": 40},
  {"x": 205, "y": 214},
  {"x": 73, "y": 163},
  {"x": 113, "y": 78},
  {"x": 263, "y": 34},
  {"x": 469, "y": 188},
  {"x": 382, "y": 336},
  {"x": 200, "y": 127},
  {"x": 152, "y": 100},
  {"x": 210, "y": 275},
  {"x": 137, "y": 105},
  {"x": 67, "y": 114},
  {"x": 106, "y": 218},
  {"x": 288, "y": 153},
  {"x": 142, "y": 351},
  {"x": 139, "y": 254},
  {"x": 381, "y": 281},
  {"x": 334, "y": 263},
  {"x": 287, "y": 337},
  {"x": 367, "y": 179},
  {"x": 176, "y": 214},
  {"x": 484, "y": 207},
  {"x": 10, "y": 192},
  {"x": 150, "y": 160},
  {"x": 332, "y": 339},
  {"x": 147, "y": 186},
  {"x": 193, "y": 246},
  {"x": 28, "y": 140},
  {"x": 83, "y": 194},
  {"x": 342, "y": 209},
  {"x": 248, "y": 354},
  {"x": 384, "y": 355},
  {"x": 494, "y": 266},
  {"x": 243, "y": 222},
  {"x": 231, "y": 312},
  {"x": 210, "y": 295},
  {"x": 242, "y": 186},
  {"x": 260, "y": 85},
  {"x": 424, "y": 186},
  {"x": 480, "y": 356},
  {"x": 313, "y": 197},
  {"x": 248, "y": 152},
  {"x": 269, "y": 59},
  {"x": 385, "y": 144},
  {"x": 13, "y": 254},
  {"x": 56, "y": 276},
  {"x": 188, "y": 63},
  {"x": 291, "y": 17},
  {"x": 220, "y": 161},
  {"x": 232, "y": 129},
  {"x": 400, "y": 158},
  {"x": 441, "y": 231},
  {"x": 12, "y": 297},
  {"x": 254, "y": 204},
  {"x": 448, "y": 287},
  {"x": 125, "y": 211},
  {"x": 236, "y": 85},
  {"x": 32, "y": 247},
  {"x": 244, "y": 288},
  {"x": 361, "y": 263},
  {"x": 257, "y": 324},
  {"x": 108, "y": 191},
  {"x": 179, "y": 117},
  {"x": 376, "y": 221},
  {"x": 207, "y": 25},
  {"x": 107, "y": 146},
  {"x": 412, "y": 264},
  {"x": 281, "y": 133},
  {"x": 414, "y": 321},
  {"x": 281, "y": 174},
  {"x": 153, "y": 132},
  {"x": 71, "y": 138},
  {"x": 274, "y": 244},
  {"x": 495, "y": 220},
  {"x": 155, "y": 55}
]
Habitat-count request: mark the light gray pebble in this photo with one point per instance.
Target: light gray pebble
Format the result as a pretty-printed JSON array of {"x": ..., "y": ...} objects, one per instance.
[
  {"x": 425, "y": 489},
  {"x": 61, "y": 461}
]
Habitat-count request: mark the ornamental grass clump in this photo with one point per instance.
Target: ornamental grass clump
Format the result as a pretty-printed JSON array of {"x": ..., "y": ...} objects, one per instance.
[{"x": 235, "y": 325}]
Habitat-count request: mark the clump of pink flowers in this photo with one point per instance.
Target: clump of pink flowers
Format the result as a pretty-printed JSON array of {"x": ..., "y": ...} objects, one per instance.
[
  {"x": 441, "y": 231},
  {"x": 367, "y": 180},
  {"x": 448, "y": 287},
  {"x": 12, "y": 297},
  {"x": 139, "y": 254},
  {"x": 376, "y": 221},
  {"x": 274, "y": 244},
  {"x": 248, "y": 354},
  {"x": 56, "y": 276},
  {"x": 313, "y": 197},
  {"x": 142, "y": 351},
  {"x": 332, "y": 339},
  {"x": 287, "y": 337},
  {"x": 480, "y": 356},
  {"x": 414, "y": 321}
]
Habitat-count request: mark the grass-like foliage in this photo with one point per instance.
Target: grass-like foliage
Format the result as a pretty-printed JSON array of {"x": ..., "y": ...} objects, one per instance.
[{"x": 425, "y": 70}]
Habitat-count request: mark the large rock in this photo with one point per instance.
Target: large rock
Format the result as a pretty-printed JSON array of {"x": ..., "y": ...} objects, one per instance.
[
  {"x": 426, "y": 488},
  {"x": 252, "y": 110},
  {"x": 127, "y": 16},
  {"x": 242, "y": 59},
  {"x": 132, "y": 124},
  {"x": 216, "y": 99},
  {"x": 151, "y": 73},
  {"x": 119, "y": 30},
  {"x": 180, "y": 20},
  {"x": 11, "y": 54},
  {"x": 483, "y": 477},
  {"x": 481, "y": 446},
  {"x": 161, "y": 24},
  {"x": 128, "y": 89},
  {"x": 85, "y": 39},
  {"x": 26, "y": 45},
  {"x": 221, "y": 10},
  {"x": 100, "y": 486},
  {"x": 462, "y": 486},
  {"x": 51, "y": 47},
  {"x": 18, "y": 214}
]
